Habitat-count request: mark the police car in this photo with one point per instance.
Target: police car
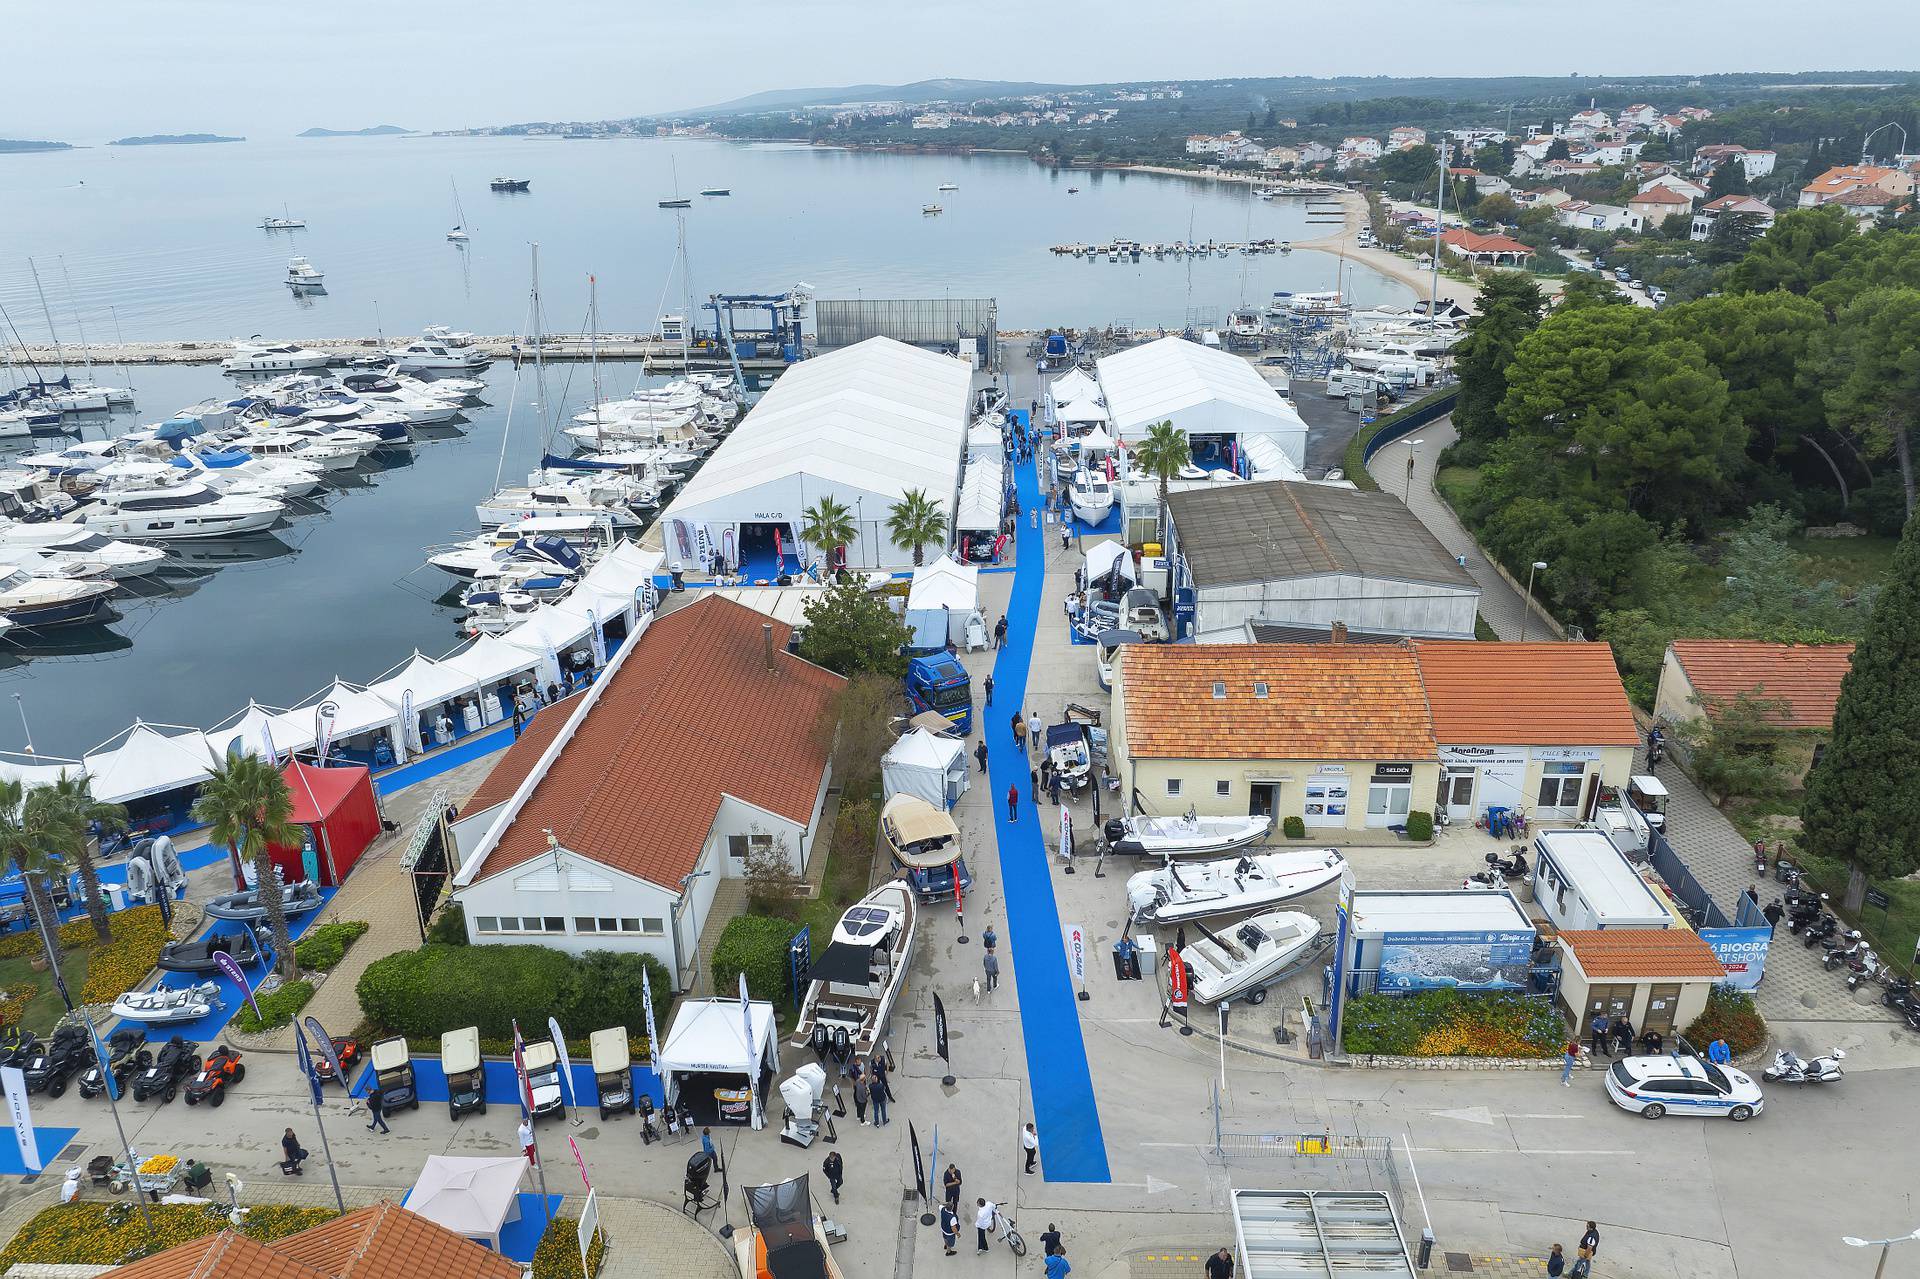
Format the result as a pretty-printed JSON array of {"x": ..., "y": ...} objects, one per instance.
[{"x": 1684, "y": 1085}]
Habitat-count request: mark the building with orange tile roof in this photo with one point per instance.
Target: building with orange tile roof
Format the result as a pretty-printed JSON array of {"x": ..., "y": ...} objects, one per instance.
[
  {"x": 1698, "y": 676},
  {"x": 1658, "y": 979},
  {"x": 703, "y": 739},
  {"x": 384, "y": 1241},
  {"x": 1842, "y": 178}
]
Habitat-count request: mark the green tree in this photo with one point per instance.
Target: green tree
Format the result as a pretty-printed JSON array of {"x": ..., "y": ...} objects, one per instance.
[
  {"x": 1871, "y": 367},
  {"x": 915, "y": 520},
  {"x": 1161, "y": 454},
  {"x": 1587, "y": 289},
  {"x": 1509, "y": 308},
  {"x": 1497, "y": 207},
  {"x": 1763, "y": 345},
  {"x": 1733, "y": 747},
  {"x": 72, "y": 795},
  {"x": 849, "y": 630},
  {"x": 33, "y": 836},
  {"x": 1785, "y": 257},
  {"x": 1733, "y": 236},
  {"x": 1415, "y": 166},
  {"x": 246, "y": 806},
  {"x": 1557, "y": 150},
  {"x": 1730, "y": 178},
  {"x": 828, "y": 524},
  {"x": 1862, "y": 803}
]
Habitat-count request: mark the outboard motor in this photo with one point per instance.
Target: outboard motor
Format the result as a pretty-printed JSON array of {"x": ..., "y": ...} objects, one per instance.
[
  {"x": 694, "y": 1188},
  {"x": 1115, "y": 830},
  {"x": 842, "y": 1044},
  {"x": 818, "y": 1040}
]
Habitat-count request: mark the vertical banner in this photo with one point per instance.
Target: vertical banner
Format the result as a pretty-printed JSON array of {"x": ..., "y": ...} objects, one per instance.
[
  {"x": 1076, "y": 936},
  {"x": 323, "y": 716},
  {"x": 520, "y": 1070},
  {"x": 753, "y": 1056},
  {"x": 1341, "y": 906},
  {"x": 411, "y": 738},
  {"x": 595, "y": 640},
  {"x": 1066, "y": 833},
  {"x": 919, "y": 1168},
  {"x": 324, "y": 1049},
  {"x": 306, "y": 1062},
  {"x": 266, "y": 740},
  {"x": 1176, "y": 981},
  {"x": 579, "y": 1159},
  {"x": 230, "y": 969},
  {"x": 653, "y": 1036},
  {"x": 566, "y": 1062},
  {"x": 16, "y": 1085}
]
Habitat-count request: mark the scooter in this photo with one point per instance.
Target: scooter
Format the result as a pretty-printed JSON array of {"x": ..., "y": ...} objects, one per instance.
[
  {"x": 1513, "y": 867},
  {"x": 1760, "y": 858},
  {"x": 1867, "y": 967},
  {"x": 1842, "y": 951},
  {"x": 1788, "y": 1068}
]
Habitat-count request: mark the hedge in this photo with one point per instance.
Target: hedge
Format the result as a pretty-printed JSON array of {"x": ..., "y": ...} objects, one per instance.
[
  {"x": 558, "y": 1256},
  {"x": 757, "y": 946},
  {"x": 94, "y": 1234},
  {"x": 325, "y": 945},
  {"x": 1294, "y": 827},
  {"x": 449, "y": 927},
  {"x": 1419, "y": 826},
  {"x": 1730, "y": 1015},
  {"x": 1449, "y": 1023},
  {"x": 426, "y": 992},
  {"x": 277, "y": 1009}
]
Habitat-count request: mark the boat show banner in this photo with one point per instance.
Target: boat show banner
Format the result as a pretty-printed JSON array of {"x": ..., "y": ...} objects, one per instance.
[
  {"x": 1456, "y": 961},
  {"x": 15, "y": 1082},
  {"x": 1742, "y": 952}
]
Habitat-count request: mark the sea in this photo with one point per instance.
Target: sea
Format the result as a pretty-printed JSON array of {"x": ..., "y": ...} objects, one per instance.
[{"x": 162, "y": 243}]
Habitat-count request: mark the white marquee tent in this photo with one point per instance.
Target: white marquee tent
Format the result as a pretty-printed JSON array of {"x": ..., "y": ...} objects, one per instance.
[
  {"x": 37, "y": 770},
  {"x": 1071, "y": 386},
  {"x": 148, "y": 762},
  {"x": 249, "y": 732},
  {"x": 492, "y": 662},
  {"x": 356, "y": 713},
  {"x": 472, "y": 1197},
  {"x": 943, "y": 595},
  {"x": 861, "y": 425},
  {"x": 432, "y": 684},
  {"x": 982, "y": 497},
  {"x": 1202, "y": 392},
  {"x": 709, "y": 1037},
  {"x": 927, "y": 766}
]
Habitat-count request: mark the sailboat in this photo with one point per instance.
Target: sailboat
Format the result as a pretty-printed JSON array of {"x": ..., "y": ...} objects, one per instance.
[{"x": 459, "y": 233}]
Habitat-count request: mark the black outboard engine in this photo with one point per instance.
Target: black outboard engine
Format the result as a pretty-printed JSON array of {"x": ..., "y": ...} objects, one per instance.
[
  {"x": 1115, "y": 830},
  {"x": 842, "y": 1044},
  {"x": 648, "y": 1134},
  {"x": 694, "y": 1188},
  {"x": 818, "y": 1040}
]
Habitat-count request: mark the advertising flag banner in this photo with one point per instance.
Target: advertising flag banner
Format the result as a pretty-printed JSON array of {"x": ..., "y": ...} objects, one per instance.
[
  {"x": 919, "y": 1168},
  {"x": 653, "y": 1036},
  {"x": 1076, "y": 937},
  {"x": 230, "y": 969},
  {"x": 16, "y": 1085},
  {"x": 111, "y": 1084},
  {"x": 1176, "y": 980},
  {"x": 520, "y": 1069},
  {"x": 324, "y": 1049},
  {"x": 753, "y": 1074},
  {"x": 579, "y": 1159},
  {"x": 566, "y": 1063}
]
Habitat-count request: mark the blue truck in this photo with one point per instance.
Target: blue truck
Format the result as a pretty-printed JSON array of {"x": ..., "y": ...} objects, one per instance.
[{"x": 939, "y": 683}]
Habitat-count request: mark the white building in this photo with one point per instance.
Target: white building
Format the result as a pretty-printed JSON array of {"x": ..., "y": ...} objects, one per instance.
[
  {"x": 1219, "y": 400},
  {"x": 1703, "y": 219},
  {"x": 611, "y": 821},
  {"x": 933, "y": 120},
  {"x": 861, "y": 425},
  {"x": 1583, "y": 216}
]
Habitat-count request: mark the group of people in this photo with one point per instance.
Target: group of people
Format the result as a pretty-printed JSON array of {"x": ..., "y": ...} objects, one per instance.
[{"x": 1582, "y": 1262}]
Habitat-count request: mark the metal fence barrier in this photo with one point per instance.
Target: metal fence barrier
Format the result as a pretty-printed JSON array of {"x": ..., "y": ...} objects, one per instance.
[
  {"x": 940, "y": 322},
  {"x": 1399, "y": 426},
  {"x": 1703, "y": 911}
]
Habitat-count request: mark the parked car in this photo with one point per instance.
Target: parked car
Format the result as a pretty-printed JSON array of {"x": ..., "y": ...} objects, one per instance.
[{"x": 1653, "y": 1086}]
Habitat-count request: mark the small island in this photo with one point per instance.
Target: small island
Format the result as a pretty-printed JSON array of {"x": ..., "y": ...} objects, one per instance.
[
  {"x": 377, "y": 131},
  {"x": 8, "y": 145},
  {"x": 172, "y": 140}
]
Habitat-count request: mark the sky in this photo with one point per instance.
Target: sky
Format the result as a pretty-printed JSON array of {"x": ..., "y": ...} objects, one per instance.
[{"x": 263, "y": 68}]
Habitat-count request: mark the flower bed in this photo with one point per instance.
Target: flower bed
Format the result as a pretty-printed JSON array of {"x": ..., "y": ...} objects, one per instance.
[
  {"x": 558, "y": 1256},
  {"x": 13, "y": 1004},
  {"x": 1446, "y": 1023},
  {"x": 96, "y": 1234},
  {"x": 124, "y": 962}
]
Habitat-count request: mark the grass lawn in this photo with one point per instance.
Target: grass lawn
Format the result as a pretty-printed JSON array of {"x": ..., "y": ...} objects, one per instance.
[
  {"x": 1456, "y": 483},
  {"x": 46, "y": 1008},
  {"x": 1851, "y": 561}
]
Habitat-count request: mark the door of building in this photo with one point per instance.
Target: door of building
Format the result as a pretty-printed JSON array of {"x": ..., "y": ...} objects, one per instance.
[
  {"x": 1662, "y": 1003},
  {"x": 1456, "y": 793},
  {"x": 1326, "y": 800},
  {"x": 1559, "y": 794},
  {"x": 1387, "y": 804},
  {"x": 1263, "y": 799},
  {"x": 1614, "y": 1001}
]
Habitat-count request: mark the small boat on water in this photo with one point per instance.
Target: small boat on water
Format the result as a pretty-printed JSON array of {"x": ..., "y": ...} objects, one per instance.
[
  {"x": 678, "y": 202},
  {"x": 1243, "y": 958},
  {"x": 949, "y": 186},
  {"x": 715, "y": 191},
  {"x": 931, "y": 208},
  {"x": 510, "y": 184},
  {"x": 295, "y": 899},
  {"x": 854, "y": 982},
  {"x": 271, "y": 223},
  {"x": 35, "y": 602},
  {"x": 302, "y": 275},
  {"x": 197, "y": 956},
  {"x": 459, "y": 233},
  {"x": 1175, "y": 893},
  {"x": 164, "y": 1006},
  {"x": 1189, "y": 835}
]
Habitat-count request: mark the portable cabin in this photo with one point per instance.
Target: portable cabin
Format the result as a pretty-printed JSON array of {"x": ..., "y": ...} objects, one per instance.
[{"x": 1582, "y": 882}]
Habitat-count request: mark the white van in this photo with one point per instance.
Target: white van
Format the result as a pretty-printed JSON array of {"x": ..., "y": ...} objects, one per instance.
[{"x": 1344, "y": 382}]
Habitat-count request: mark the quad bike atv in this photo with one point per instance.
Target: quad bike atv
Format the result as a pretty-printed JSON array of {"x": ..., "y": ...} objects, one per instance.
[
  {"x": 176, "y": 1061},
  {"x": 209, "y": 1083},
  {"x": 127, "y": 1053},
  {"x": 68, "y": 1053},
  {"x": 347, "y": 1048}
]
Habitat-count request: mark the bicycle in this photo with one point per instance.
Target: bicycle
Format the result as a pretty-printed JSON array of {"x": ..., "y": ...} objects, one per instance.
[{"x": 1013, "y": 1238}]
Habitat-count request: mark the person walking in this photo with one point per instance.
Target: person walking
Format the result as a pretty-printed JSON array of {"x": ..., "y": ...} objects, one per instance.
[
  {"x": 1220, "y": 1265},
  {"x": 1030, "y": 1142},
  {"x": 990, "y": 964},
  {"x": 1019, "y": 732},
  {"x": 950, "y": 1186},
  {"x": 986, "y": 686},
  {"x": 526, "y": 1143},
  {"x": 1050, "y": 1240},
  {"x": 1582, "y": 1265},
  {"x": 1569, "y": 1058},
  {"x": 862, "y": 1092},
  {"x": 1033, "y": 730},
  {"x": 983, "y": 1220},
  {"x": 1597, "y": 1035},
  {"x": 1590, "y": 1242},
  {"x": 949, "y": 1227},
  {"x": 836, "y": 1171},
  {"x": 706, "y": 1147},
  {"x": 1556, "y": 1262},
  {"x": 980, "y": 753},
  {"x": 377, "y": 1109},
  {"x": 1000, "y": 631},
  {"x": 1773, "y": 913},
  {"x": 290, "y": 1147},
  {"x": 989, "y": 939},
  {"x": 1013, "y": 801}
]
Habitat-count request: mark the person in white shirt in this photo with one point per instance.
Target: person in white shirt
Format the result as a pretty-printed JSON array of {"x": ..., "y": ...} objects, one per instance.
[
  {"x": 526, "y": 1143},
  {"x": 1030, "y": 1142},
  {"x": 984, "y": 1220}
]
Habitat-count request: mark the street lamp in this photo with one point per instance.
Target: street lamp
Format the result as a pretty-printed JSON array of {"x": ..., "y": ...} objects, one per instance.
[
  {"x": 1526, "y": 605},
  {"x": 1412, "y": 445},
  {"x": 1884, "y": 1245}
]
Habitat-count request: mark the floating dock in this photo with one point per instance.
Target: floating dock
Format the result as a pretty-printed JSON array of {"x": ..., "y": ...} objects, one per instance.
[{"x": 667, "y": 356}]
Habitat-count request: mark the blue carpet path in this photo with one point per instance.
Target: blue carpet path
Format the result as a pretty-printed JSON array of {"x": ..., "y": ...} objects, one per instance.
[{"x": 1071, "y": 1145}]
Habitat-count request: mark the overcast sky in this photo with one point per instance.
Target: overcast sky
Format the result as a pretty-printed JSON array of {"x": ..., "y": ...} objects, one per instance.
[{"x": 265, "y": 68}]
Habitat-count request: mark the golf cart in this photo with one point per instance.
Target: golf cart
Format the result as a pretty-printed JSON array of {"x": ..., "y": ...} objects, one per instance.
[
  {"x": 393, "y": 1072},
  {"x": 543, "y": 1078},
  {"x": 613, "y": 1070},
  {"x": 1649, "y": 795},
  {"x": 466, "y": 1074},
  {"x": 175, "y": 1061}
]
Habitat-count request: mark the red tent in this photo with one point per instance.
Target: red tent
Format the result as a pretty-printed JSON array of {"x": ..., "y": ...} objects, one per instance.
[{"x": 338, "y": 805}]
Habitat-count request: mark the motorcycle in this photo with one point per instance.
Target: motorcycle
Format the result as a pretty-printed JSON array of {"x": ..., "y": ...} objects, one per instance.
[
  {"x": 1820, "y": 930},
  {"x": 1804, "y": 910},
  {"x": 1866, "y": 968},
  {"x": 1787, "y": 1068},
  {"x": 1760, "y": 858},
  {"x": 1511, "y": 867},
  {"x": 1843, "y": 950}
]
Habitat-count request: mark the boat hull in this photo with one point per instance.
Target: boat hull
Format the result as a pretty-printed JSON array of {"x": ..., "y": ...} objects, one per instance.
[
  {"x": 1224, "y": 967},
  {"x": 1234, "y": 886},
  {"x": 1206, "y": 838},
  {"x": 864, "y": 1015},
  {"x": 180, "y": 526},
  {"x": 79, "y": 611}
]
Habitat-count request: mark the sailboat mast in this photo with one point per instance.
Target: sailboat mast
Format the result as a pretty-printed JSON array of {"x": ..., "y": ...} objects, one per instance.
[
  {"x": 47, "y": 313},
  {"x": 86, "y": 349},
  {"x": 686, "y": 288},
  {"x": 539, "y": 355},
  {"x": 1439, "y": 222},
  {"x": 593, "y": 348}
]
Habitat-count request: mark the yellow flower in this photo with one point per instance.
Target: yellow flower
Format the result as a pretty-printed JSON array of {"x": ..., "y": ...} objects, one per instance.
[{"x": 159, "y": 1164}]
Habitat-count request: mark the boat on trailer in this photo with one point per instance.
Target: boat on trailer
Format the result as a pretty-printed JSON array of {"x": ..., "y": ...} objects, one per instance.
[
  {"x": 1240, "y": 960},
  {"x": 1242, "y": 885},
  {"x": 1189, "y": 835},
  {"x": 855, "y": 981}
]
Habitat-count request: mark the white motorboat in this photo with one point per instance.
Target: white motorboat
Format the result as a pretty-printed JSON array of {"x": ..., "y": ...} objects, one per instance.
[
  {"x": 418, "y": 410},
  {"x": 855, "y": 981},
  {"x": 1174, "y": 892},
  {"x": 180, "y": 512},
  {"x": 605, "y": 493},
  {"x": 948, "y": 186},
  {"x": 495, "y": 612},
  {"x": 83, "y": 397},
  {"x": 271, "y": 223},
  {"x": 1189, "y": 835},
  {"x": 1240, "y": 960},
  {"x": 302, "y": 275},
  {"x": 1071, "y": 753},
  {"x": 82, "y": 458},
  {"x": 507, "y": 552},
  {"x": 510, "y": 184},
  {"x": 270, "y": 444},
  {"x": 439, "y": 348},
  {"x": 273, "y": 477},
  {"x": 1090, "y": 495},
  {"x": 76, "y": 547},
  {"x": 38, "y": 602},
  {"x": 1370, "y": 358},
  {"x": 1108, "y": 644},
  {"x": 164, "y": 1005},
  {"x": 931, "y": 208},
  {"x": 273, "y": 357}
]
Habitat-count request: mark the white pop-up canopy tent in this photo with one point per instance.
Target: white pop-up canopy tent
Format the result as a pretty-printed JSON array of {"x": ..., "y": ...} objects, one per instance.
[
  {"x": 473, "y": 1197},
  {"x": 624, "y": 570},
  {"x": 1095, "y": 441},
  {"x": 1102, "y": 557},
  {"x": 707, "y": 1051},
  {"x": 927, "y": 767},
  {"x": 943, "y": 595},
  {"x": 1071, "y": 386},
  {"x": 148, "y": 762},
  {"x": 1082, "y": 411},
  {"x": 985, "y": 440},
  {"x": 982, "y": 497},
  {"x": 495, "y": 666},
  {"x": 356, "y": 713},
  {"x": 256, "y": 730},
  {"x": 423, "y": 686}
]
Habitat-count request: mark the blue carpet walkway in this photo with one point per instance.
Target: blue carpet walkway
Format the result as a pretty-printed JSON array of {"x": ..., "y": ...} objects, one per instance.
[{"x": 1071, "y": 1145}]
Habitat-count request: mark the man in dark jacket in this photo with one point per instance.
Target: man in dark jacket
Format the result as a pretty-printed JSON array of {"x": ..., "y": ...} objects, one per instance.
[{"x": 836, "y": 1173}]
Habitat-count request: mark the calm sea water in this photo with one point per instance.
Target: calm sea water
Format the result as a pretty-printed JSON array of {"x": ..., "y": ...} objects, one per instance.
[
  {"x": 165, "y": 240},
  {"x": 162, "y": 243}
]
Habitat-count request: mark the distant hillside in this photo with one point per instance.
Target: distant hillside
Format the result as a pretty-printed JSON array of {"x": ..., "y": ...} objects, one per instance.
[
  {"x": 15, "y": 144},
  {"x": 919, "y": 91},
  {"x": 377, "y": 131},
  {"x": 172, "y": 140}
]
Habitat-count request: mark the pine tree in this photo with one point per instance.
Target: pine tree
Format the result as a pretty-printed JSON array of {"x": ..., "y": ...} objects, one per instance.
[
  {"x": 1510, "y": 308},
  {"x": 1862, "y": 803},
  {"x": 1729, "y": 179}
]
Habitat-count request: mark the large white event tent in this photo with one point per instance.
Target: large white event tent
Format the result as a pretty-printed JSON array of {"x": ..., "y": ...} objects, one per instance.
[
  {"x": 1211, "y": 395},
  {"x": 148, "y": 762},
  {"x": 1071, "y": 386},
  {"x": 708, "y": 1044},
  {"x": 861, "y": 425},
  {"x": 942, "y": 596},
  {"x": 356, "y": 713},
  {"x": 426, "y": 688},
  {"x": 257, "y": 729},
  {"x": 495, "y": 666}
]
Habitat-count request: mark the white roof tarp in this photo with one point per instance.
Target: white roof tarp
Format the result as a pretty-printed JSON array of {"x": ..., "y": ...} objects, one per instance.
[
  {"x": 944, "y": 584},
  {"x": 708, "y": 1036},
  {"x": 985, "y": 440},
  {"x": 1073, "y": 385},
  {"x": 355, "y": 711},
  {"x": 1102, "y": 555},
  {"x": 248, "y": 733},
  {"x": 472, "y": 1197},
  {"x": 490, "y": 660},
  {"x": 1083, "y": 411},
  {"x": 878, "y": 416},
  {"x": 549, "y": 627},
  {"x": 44, "y": 770},
  {"x": 429, "y": 681},
  {"x": 982, "y": 497},
  {"x": 927, "y": 767},
  {"x": 1159, "y": 381},
  {"x": 1270, "y": 461},
  {"x": 148, "y": 762},
  {"x": 624, "y": 570},
  {"x": 782, "y": 603}
]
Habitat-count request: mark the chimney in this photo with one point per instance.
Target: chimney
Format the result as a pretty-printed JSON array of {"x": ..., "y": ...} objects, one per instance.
[
  {"x": 1337, "y": 633},
  {"x": 766, "y": 642}
]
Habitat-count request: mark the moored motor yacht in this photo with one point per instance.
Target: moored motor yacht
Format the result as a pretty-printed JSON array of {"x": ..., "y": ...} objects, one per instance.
[
  {"x": 510, "y": 184},
  {"x": 420, "y": 410},
  {"x": 71, "y": 545},
  {"x": 273, "y": 357},
  {"x": 181, "y": 511},
  {"x": 439, "y": 347},
  {"x": 484, "y": 559},
  {"x": 38, "y": 602},
  {"x": 547, "y": 493},
  {"x": 856, "y": 980},
  {"x": 1176, "y": 892},
  {"x": 302, "y": 275},
  {"x": 1240, "y": 959}
]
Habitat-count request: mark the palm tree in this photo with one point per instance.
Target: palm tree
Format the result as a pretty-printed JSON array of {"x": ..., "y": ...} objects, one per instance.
[
  {"x": 32, "y": 837},
  {"x": 915, "y": 520},
  {"x": 246, "y": 805},
  {"x": 72, "y": 795},
  {"x": 829, "y": 525},
  {"x": 1161, "y": 454}
]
